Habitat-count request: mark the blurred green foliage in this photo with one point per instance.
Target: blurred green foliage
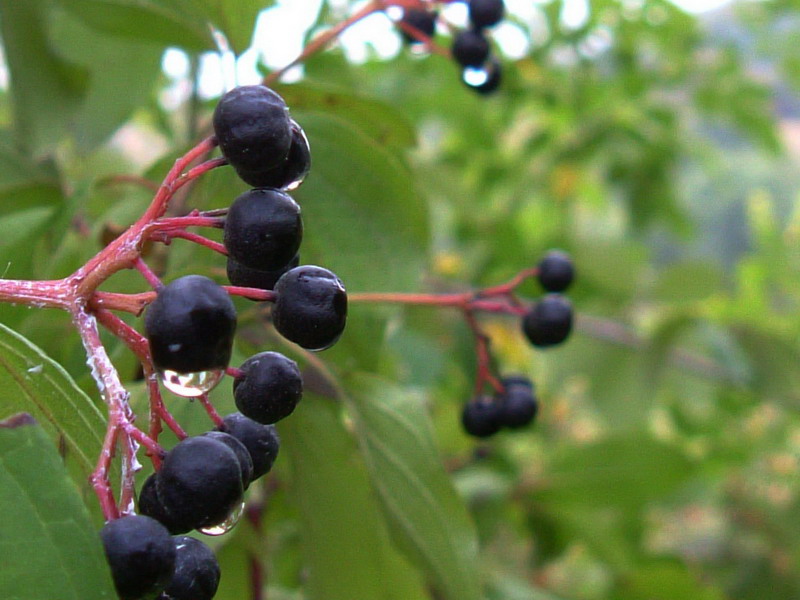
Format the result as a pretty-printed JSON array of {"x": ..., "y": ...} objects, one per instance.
[{"x": 660, "y": 149}]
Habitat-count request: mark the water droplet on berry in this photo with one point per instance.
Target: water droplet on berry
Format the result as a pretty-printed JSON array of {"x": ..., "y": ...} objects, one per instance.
[
  {"x": 227, "y": 524},
  {"x": 475, "y": 76},
  {"x": 191, "y": 385}
]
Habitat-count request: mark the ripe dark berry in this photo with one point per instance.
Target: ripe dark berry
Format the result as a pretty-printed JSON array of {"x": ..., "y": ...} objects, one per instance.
[
  {"x": 549, "y": 322},
  {"x": 518, "y": 403},
  {"x": 141, "y": 555},
  {"x": 197, "y": 572},
  {"x": 200, "y": 482},
  {"x": 485, "y": 13},
  {"x": 239, "y": 449},
  {"x": 470, "y": 48},
  {"x": 261, "y": 441},
  {"x": 485, "y": 80},
  {"x": 556, "y": 271},
  {"x": 253, "y": 128},
  {"x": 239, "y": 274},
  {"x": 481, "y": 417},
  {"x": 269, "y": 387},
  {"x": 517, "y": 380},
  {"x": 263, "y": 229},
  {"x": 311, "y": 307},
  {"x": 421, "y": 20},
  {"x": 150, "y": 505},
  {"x": 291, "y": 172},
  {"x": 190, "y": 326}
]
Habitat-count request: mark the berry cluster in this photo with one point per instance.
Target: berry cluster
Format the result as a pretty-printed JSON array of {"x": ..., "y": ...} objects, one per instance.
[
  {"x": 470, "y": 48},
  {"x": 189, "y": 331},
  {"x": 548, "y": 322}
]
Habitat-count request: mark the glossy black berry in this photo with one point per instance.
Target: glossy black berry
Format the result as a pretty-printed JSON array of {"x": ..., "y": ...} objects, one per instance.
[
  {"x": 196, "y": 575},
  {"x": 190, "y": 326},
  {"x": 263, "y": 229},
  {"x": 549, "y": 322},
  {"x": 291, "y": 172},
  {"x": 239, "y": 274},
  {"x": 200, "y": 482},
  {"x": 253, "y": 128},
  {"x": 239, "y": 449},
  {"x": 481, "y": 417},
  {"x": 485, "y": 80},
  {"x": 556, "y": 271},
  {"x": 141, "y": 555},
  {"x": 517, "y": 380},
  {"x": 485, "y": 13},
  {"x": 470, "y": 48},
  {"x": 518, "y": 405},
  {"x": 421, "y": 20},
  {"x": 261, "y": 441},
  {"x": 311, "y": 307},
  {"x": 150, "y": 505},
  {"x": 269, "y": 387}
]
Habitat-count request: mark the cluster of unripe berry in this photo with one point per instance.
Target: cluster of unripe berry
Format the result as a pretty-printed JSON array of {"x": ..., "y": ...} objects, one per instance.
[
  {"x": 190, "y": 328},
  {"x": 547, "y": 323},
  {"x": 471, "y": 48}
]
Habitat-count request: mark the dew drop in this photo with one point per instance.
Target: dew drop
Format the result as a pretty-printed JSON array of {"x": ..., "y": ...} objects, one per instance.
[
  {"x": 475, "y": 77},
  {"x": 191, "y": 385},
  {"x": 227, "y": 524}
]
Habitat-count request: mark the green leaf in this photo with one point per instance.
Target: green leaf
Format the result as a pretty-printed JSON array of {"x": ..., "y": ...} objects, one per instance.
[
  {"x": 108, "y": 60},
  {"x": 666, "y": 582},
  {"x": 236, "y": 19},
  {"x": 33, "y": 383},
  {"x": 50, "y": 548},
  {"x": 380, "y": 121},
  {"x": 167, "y": 22},
  {"x": 346, "y": 545},
  {"x": 45, "y": 88},
  {"x": 429, "y": 520},
  {"x": 611, "y": 472},
  {"x": 364, "y": 219}
]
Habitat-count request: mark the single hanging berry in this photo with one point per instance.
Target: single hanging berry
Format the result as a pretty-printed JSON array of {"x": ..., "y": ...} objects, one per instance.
[
  {"x": 549, "y": 322},
  {"x": 190, "y": 327},
  {"x": 141, "y": 555},
  {"x": 253, "y": 128},
  {"x": 197, "y": 573},
  {"x": 311, "y": 307},
  {"x": 556, "y": 271},
  {"x": 268, "y": 388},
  {"x": 263, "y": 229}
]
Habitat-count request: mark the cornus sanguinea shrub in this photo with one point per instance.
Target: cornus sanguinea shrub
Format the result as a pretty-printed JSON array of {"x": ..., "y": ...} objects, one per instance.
[{"x": 184, "y": 329}]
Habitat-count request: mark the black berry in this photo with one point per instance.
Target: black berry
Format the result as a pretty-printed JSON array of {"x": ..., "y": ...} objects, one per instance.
[
  {"x": 485, "y": 13},
  {"x": 488, "y": 81},
  {"x": 261, "y": 441},
  {"x": 150, "y": 505},
  {"x": 556, "y": 271},
  {"x": 470, "y": 48},
  {"x": 481, "y": 417},
  {"x": 197, "y": 572},
  {"x": 311, "y": 307},
  {"x": 263, "y": 229},
  {"x": 518, "y": 404},
  {"x": 239, "y": 274},
  {"x": 269, "y": 387},
  {"x": 141, "y": 555},
  {"x": 253, "y": 128},
  {"x": 549, "y": 322},
  {"x": 517, "y": 380},
  {"x": 190, "y": 326},
  {"x": 200, "y": 482},
  {"x": 291, "y": 172},
  {"x": 239, "y": 449},
  {"x": 421, "y": 20}
]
